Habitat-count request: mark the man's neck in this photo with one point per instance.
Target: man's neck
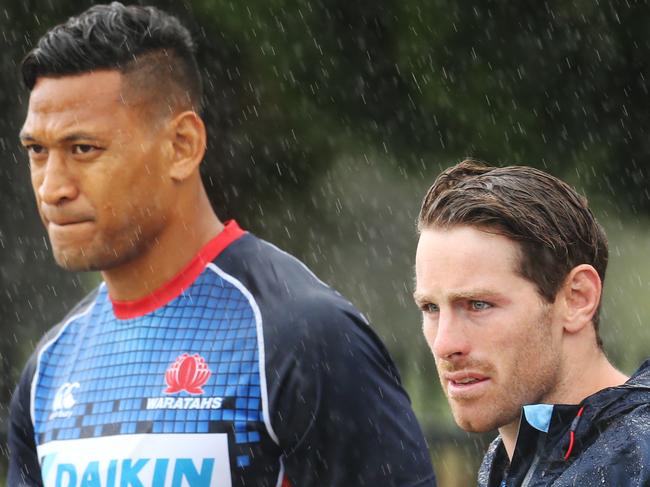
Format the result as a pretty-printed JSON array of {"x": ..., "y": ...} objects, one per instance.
[
  {"x": 174, "y": 248},
  {"x": 509, "y": 436},
  {"x": 578, "y": 383}
]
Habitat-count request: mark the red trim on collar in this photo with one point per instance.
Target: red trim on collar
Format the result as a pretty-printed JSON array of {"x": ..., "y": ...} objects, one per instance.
[{"x": 181, "y": 281}]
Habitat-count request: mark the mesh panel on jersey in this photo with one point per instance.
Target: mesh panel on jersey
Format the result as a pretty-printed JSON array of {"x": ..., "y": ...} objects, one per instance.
[{"x": 120, "y": 366}]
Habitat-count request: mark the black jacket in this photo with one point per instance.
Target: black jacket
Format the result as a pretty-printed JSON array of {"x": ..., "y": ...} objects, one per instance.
[{"x": 610, "y": 447}]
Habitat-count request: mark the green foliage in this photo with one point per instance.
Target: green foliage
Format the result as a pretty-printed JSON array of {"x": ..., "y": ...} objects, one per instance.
[
  {"x": 626, "y": 308},
  {"x": 328, "y": 120}
]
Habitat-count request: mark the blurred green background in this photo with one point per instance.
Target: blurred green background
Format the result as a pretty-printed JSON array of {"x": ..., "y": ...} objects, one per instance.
[{"x": 329, "y": 119}]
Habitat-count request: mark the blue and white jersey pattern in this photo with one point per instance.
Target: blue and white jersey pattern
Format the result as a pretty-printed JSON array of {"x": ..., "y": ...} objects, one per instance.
[
  {"x": 245, "y": 370},
  {"x": 111, "y": 373}
]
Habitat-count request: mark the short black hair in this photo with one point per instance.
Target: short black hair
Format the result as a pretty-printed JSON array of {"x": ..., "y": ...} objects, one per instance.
[{"x": 126, "y": 38}]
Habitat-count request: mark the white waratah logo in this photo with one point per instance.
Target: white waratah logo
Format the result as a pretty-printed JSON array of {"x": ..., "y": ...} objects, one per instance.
[{"x": 64, "y": 400}]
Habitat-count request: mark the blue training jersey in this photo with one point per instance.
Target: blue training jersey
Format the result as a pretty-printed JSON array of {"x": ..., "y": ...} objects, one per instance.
[{"x": 243, "y": 370}]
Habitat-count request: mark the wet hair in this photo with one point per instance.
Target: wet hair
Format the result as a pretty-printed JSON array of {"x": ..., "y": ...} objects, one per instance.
[
  {"x": 551, "y": 222},
  {"x": 150, "y": 47}
]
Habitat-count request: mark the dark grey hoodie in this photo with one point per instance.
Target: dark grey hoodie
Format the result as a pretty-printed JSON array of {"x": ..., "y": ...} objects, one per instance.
[{"x": 603, "y": 441}]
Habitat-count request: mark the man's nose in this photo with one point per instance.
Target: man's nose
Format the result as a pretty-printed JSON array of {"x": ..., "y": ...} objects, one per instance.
[
  {"x": 451, "y": 339},
  {"x": 55, "y": 183}
]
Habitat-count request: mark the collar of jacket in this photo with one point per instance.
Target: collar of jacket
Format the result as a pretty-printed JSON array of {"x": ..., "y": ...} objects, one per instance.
[{"x": 544, "y": 436}]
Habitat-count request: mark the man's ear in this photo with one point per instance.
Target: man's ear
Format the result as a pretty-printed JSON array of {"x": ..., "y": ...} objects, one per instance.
[
  {"x": 580, "y": 297},
  {"x": 188, "y": 140}
]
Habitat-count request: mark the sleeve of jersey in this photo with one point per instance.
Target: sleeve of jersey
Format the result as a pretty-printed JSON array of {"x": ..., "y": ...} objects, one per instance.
[
  {"x": 339, "y": 411},
  {"x": 24, "y": 469}
]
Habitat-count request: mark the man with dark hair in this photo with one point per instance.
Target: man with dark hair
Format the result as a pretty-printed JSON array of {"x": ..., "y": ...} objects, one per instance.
[
  {"x": 207, "y": 357},
  {"x": 509, "y": 271}
]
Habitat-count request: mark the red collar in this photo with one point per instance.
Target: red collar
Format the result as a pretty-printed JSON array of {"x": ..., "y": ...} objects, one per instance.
[{"x": 181, "y": 281}]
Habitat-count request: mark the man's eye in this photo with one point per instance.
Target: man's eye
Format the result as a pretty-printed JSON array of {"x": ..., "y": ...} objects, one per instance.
[
  {"x": 480, "y": 305},
  {"x": 429, "y": 308},
  {"x": 83, "y": 148},
  {"x": 35, "y": 149}
]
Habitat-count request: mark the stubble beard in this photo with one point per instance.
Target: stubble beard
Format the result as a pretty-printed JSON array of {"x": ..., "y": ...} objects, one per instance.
[
  {"x": 102, "y": 255},
  {"x": 533, "y": 385}
]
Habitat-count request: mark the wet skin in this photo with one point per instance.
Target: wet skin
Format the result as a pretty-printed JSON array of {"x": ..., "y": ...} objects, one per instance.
[
  {"x": 493, "y": 337},
  {"x": 97, "y": 169}
]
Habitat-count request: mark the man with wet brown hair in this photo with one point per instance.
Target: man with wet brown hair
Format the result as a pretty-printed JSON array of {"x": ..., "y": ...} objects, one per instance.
[{"x": 509, "y": 271}]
